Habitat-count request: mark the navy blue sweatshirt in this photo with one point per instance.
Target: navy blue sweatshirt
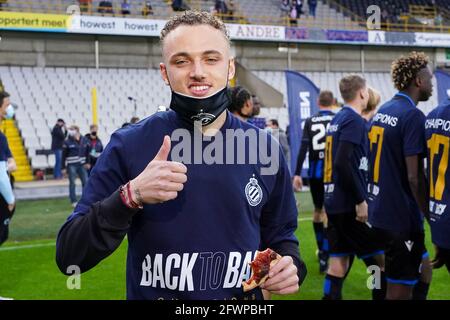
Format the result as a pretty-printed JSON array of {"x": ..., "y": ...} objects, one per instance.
[{"x": 197, "y": 246}]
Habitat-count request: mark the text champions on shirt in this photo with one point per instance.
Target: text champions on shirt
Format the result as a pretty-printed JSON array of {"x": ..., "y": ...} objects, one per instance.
[
  {"x": 437, "y": 123},
  {"x": 386, "y": 119}
]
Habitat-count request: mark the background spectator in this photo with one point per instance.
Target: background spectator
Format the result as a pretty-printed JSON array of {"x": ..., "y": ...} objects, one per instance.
[
  {"x": 125, "y": 7},
  {"x": 179, "y": 5},
  {"x": 74, "y": 158},
  {"x": 255, "y": 120},
  {"x": 147, "y": 9},
  {"x": 293, "y": 15},
  {"x": 231, "y": 9},
  {"x": 2, "y": 4},
  {"x": 221, "y": 8},
  {"x": 85, "y": 5},
  {"x": 241, "y": 103},
  {"x": 105, "y": 7},
  {"x": 94, "y": 146},
  {"x": 7, "y": 198},
  {"x": 285, "y": 8},
  {"x": 312, "y": 5},
  {"x": 59, "y": 133},
  {"x": 299, "y": 7},
  {"x": 277, "y": 132}
]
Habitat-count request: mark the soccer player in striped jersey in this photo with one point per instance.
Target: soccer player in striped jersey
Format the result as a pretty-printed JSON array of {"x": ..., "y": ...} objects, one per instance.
[
  {"x": 437, "y": 133},
  {"x": 313, "y": 143}
]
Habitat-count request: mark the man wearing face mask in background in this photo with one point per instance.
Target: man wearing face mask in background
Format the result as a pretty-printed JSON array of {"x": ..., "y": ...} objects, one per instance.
[
  {"x": 7, "y": 199},
  {"x": 192, "y": 228},
  {"x": 94, "y": 146},
  {"x": 59, "y": 133},
  {"x": 74, "y": 157}
]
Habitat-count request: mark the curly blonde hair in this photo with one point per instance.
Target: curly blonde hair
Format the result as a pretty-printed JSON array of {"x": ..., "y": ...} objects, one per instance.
[{"x": 405, "y": 69}]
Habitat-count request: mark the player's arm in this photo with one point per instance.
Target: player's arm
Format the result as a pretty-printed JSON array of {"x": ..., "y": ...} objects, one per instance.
[
  {"x": 417, "y": 182},
  {"x": 278, "y": 225},
  {"x": 11, "y": 163},
  {"x": 414, "y": 146},
  {"x": 65, "y": 151},
  {"x": 5, "y": 186},
  {"x": 298, "y": 183},
  {"x": 352, "y": 133},
  {"x": 348, "y": 174},
  {"x": 101, "y": 220}
]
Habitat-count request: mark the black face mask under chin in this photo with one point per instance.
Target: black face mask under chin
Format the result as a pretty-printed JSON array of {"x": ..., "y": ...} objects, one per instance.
[{"x": 204, "y": 110}]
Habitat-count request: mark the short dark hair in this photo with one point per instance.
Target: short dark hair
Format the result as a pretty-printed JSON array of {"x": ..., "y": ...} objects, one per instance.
[
  {"x": 239, "y": 95},
  {"x": 194, "y": 18},
  {"x": 326, "y": 98},
  {"x": 275, "y": 122},
  {"x": 134, "y": 120},
  {"x": 3, "y": 95},
  {"x": 350, "y": 85},
  {"x": 405, "y": 69}
]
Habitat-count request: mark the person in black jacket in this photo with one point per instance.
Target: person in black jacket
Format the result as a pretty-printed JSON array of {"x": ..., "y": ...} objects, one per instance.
[
  {"x": 179, "y": 5},
  {"x": 94, "y": 146},
  {"x": 74, "y": 159},
  {"x": 59, "y": 133}
]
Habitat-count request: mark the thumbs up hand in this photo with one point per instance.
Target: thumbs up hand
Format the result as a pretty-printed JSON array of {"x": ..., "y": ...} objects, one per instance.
[{"x": 161, "y": 180}]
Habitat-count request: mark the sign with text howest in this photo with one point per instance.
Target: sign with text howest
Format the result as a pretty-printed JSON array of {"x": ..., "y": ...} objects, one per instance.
[
  {"x": 115, "y": 26},
  {"x": 75, "y": 23},
  {"x": 302, "y": 103}
]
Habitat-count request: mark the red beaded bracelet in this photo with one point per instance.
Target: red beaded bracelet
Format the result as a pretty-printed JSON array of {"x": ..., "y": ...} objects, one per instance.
[{"x": 126, "y": 196}]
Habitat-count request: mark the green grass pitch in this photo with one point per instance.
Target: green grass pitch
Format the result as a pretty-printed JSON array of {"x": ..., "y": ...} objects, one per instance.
[{"x": 28, "y": 269}]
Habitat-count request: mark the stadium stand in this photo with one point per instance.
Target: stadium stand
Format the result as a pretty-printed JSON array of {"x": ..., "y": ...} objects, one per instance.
[
  {"x": 400, "y": 15},
  {"x": 267, "y": 11},
  {"x": 45, "y": 94},
  {"x": 342, "y": 14}
]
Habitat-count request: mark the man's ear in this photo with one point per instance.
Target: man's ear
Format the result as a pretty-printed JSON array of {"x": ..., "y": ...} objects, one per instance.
[
  {"x": 164, "y": 75},
  {"x": 418, "y": 81}
]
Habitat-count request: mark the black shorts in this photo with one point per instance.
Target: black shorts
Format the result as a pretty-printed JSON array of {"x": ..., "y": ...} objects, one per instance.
[
  {"x": 317, "y": 192},
  {"x": 404, "y": 253},
  {"x": 347, "y": 236},
  {"x": 5, "y": 218}
]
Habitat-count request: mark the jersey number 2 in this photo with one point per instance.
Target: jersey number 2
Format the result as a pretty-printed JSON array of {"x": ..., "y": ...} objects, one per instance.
[{"x": 319, "y": 133}]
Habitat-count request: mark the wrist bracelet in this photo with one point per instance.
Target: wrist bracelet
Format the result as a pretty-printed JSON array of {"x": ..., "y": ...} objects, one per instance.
[{"x": 125, "y": 195}]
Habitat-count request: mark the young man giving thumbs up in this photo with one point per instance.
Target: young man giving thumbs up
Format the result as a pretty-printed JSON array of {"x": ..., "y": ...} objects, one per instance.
[{"x": 193, "y": 226}]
